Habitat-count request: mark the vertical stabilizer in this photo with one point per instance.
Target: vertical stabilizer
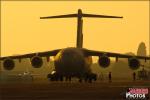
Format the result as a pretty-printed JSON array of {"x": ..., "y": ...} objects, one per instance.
[
  {"x": 79, "y": 43},
  {"x": 80, "y": 35},
  {"x": 79, "y": 15}
]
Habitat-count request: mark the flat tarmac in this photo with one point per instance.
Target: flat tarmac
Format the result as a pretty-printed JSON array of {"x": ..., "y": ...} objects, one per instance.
[{"x": 68, "y": 90}]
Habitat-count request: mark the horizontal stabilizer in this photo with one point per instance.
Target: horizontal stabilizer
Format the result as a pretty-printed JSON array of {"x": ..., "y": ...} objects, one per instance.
[
  {"x": 60, "y": 16},
  {"x": 100, "y": 16}
]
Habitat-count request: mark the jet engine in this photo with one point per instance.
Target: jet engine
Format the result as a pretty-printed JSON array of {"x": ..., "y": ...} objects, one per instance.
[
  {"x": 104, "y": 61},
  {"x": 134, "y": 63},
  {"x": 36, "y": 61},
  {"x": 8, "y": 64}
]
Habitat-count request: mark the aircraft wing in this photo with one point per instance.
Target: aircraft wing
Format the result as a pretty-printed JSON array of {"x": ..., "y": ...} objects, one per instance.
[
  {"x": 110, "y": 54},
  {"x": 41, "y": 54}
]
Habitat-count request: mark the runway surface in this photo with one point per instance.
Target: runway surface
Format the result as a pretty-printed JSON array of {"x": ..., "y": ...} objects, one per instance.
[{"x": 68, "y": 91}]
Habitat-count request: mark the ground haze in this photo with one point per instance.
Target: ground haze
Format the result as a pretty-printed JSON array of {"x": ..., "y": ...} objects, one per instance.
[{"x": 45, "y": 90}]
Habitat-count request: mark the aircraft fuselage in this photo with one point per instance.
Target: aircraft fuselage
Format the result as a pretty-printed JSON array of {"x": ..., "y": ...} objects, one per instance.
[{"x": 71, "y": 61}]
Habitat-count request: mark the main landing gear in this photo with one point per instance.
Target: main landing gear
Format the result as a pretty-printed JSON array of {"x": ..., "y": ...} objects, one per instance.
[{"x": 88, "y": 77}]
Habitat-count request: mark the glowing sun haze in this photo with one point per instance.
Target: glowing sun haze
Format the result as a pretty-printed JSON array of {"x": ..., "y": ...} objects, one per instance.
[{"x": 24, "y": 32}]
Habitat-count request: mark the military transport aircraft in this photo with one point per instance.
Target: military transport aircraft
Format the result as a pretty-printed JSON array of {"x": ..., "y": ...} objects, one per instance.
[{"x": 74, "y": 61}]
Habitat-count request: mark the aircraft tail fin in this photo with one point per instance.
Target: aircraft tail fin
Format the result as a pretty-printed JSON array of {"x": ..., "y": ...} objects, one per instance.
[
  {"x": 80, "y": 35},
  {"x": 79, "y": 15}
]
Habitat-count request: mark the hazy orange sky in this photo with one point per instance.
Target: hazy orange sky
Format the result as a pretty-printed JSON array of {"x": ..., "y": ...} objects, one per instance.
[{"x": 24, "y": 32}]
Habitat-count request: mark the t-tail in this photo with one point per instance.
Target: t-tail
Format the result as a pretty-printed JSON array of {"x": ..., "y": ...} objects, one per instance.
[{"x": 79, "y": 15}]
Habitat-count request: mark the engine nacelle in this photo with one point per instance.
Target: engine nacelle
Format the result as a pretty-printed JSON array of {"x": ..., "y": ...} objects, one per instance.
[
  {"x": 36, "y": 61},
  {"x": 134, "y": 63},
  {"x": 8, "y": 64},
  {"x": 104, "y": 61}
]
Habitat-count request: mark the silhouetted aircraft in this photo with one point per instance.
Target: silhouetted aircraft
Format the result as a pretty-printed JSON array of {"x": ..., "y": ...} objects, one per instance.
[
  {"x": 74, "y": 61},
  {"x": 22, "y": 74},
  {"x": 27, "y": 73}
]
